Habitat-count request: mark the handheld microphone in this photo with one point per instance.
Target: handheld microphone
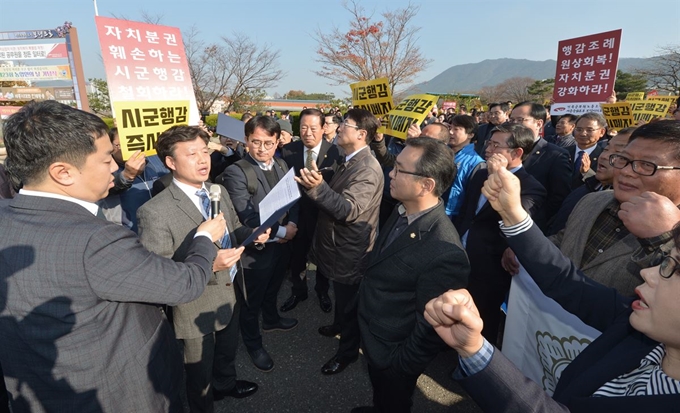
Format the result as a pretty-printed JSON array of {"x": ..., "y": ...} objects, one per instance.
[{"x": 214, "y": 196}]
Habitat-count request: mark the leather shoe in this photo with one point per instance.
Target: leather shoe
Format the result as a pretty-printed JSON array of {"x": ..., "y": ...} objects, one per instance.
[
  {"x": 329, "y": 331},
  {"x": 325, "y": 303},
  {"x": 292, "y": 302},
  {"x": 335, "y": 366},
  {"x": 241, "y": 389},
  {"x": 284, "y": 324},
  {"x": 261, "y": 359}
]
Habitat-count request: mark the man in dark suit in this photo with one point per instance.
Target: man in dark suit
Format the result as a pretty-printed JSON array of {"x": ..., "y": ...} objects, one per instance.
[
  {"x": 346, "y": 228},
  {"x": 208, "y": 326},
  {"x": 76, "y": 322},
  {"x": 248, "y": 182},
  {"x": 590, "y": 128},
  {"x": 478, "y": 222},
  {"x": 497, "y": 115},
  {"x": 418, "y": 256},
  {"x": 311, "y": 147},
  {"x": 546, "y": 162}
]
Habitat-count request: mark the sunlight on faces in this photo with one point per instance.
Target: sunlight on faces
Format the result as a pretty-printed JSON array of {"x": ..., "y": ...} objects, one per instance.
[
  {"x": 261, "y": 146},
  {"x": 496, "y": 116},
  {"x": 657, "y": 314},
  {"x": 311, "y": 131},
  {"x": 564, "y": 127},
  {"x": 628, "y": 184},
  {"x": 190, "y": 162},
  {"x": 605, "y": 172},
  {"x": 284, "y": 139},
  {"x": 349, "y": 135},
  {"x": 498, "y": 143},
  {"x": 522, "y": 115},
  {"x": 92, "y": 181},
  {"x": 403, "y": 186},
  {"x": 458, "y": 137},
  {"x": 329, "y": 127}
]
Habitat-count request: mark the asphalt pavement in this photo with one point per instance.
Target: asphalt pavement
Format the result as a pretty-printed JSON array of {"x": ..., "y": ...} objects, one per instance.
[{"x": 297, "y": 385}]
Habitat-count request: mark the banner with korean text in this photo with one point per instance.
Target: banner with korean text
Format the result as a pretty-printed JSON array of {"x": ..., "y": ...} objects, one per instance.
[
  {"x": 140, "y": 123},
  {"x": 541, "y": 338},
  {"x": 413, "y": 109},
  {"x": 34, "y": 73},
  {"x": 375, "y": 96},
  {"x": 34, "y": 51},
  {"x": 647, "y": 110},
  {"x": 586, "y": 71},
  {"x": 635, "y": 96},
  {"x": 145, "y": 63},
  {"x": 618, "y": 115},
  {"x": 669, "y": 99}
]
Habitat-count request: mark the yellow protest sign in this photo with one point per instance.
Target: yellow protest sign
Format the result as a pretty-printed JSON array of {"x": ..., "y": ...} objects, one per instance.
[
  {"x": 375, "y": 96},
  {"x": 646, "y": 110},
  {"x": 635, "y": 96},
  {"x": 669, "y": 99},
  {"x": 618, "y": 115},
  {"x": 140, "y": 122},
  {"x": 413, "y": 109}
]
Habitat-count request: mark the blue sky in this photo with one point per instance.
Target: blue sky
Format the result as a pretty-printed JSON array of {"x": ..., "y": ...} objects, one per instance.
[{"x": 451, "y": 33}]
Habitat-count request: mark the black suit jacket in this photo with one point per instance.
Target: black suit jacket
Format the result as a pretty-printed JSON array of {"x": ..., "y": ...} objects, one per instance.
[
  {"x": 550, "y": 165},
  {"x": 576, "y": 176},
  {"x": 424, "y": 261},
  {"x": 247, "y": 208},
  {"x": 618, "y": 350}
]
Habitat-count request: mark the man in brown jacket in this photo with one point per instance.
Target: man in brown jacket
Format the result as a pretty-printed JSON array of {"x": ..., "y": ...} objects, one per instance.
[{"x": 347, "y": 227}]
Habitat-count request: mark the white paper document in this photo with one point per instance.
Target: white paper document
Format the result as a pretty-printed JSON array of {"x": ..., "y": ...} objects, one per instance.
[{"x": 285, "y": 192}]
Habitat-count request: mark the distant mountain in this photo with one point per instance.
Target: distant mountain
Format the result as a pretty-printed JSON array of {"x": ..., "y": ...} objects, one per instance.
[{"x": 471, "y": 77}]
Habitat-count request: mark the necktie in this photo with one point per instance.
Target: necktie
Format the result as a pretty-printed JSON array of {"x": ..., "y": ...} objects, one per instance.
[
  {"x": 579, "y": 159},
  {"x": 310, "y": 159},
  {"x": 225, "y": 242},
  {"x": 100, "y": 213}
]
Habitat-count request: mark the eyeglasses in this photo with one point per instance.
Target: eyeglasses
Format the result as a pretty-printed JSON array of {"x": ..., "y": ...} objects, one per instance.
[
  {"x": 496, "y": 145},
  {"x": 640, "y": 167},
  {"x": 587, "y": 130},
  {"x": 259, "y": 144},
  {"x": 398, "y": 171},
  {"x": 668, "y": 265},
  {"x": 519, "y": 120},
  {"x": 347, "y": 125}
]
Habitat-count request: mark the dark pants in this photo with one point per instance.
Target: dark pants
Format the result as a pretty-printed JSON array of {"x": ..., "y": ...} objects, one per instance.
[
  {"x": 209, "y": 361},
  {"x": 488, "y": 285},
  {"x": 345, "y": 317},
  {"x": 262, "y": 286},
  {"x": 392, "y": 392},
  {"x": 298, "y": 263}
]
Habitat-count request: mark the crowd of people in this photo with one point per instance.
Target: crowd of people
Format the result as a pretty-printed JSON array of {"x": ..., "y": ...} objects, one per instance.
[{"x": 110, "y": 264}]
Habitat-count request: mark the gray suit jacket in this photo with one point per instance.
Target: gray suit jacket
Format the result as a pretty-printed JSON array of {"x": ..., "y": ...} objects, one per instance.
[
  {"x": 78, "y": 332},
  {"x": 167, "y": 225},
  {"x": 619, "y": 265}
]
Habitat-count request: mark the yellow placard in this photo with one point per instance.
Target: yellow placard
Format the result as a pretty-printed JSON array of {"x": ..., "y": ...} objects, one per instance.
[
  {"x": 140, "y": 122},
  {"x": 618, "y": 115},
  {"x": 669, "y": 99},
  {"x": 635, "y": 96},
  {"x": 413, "y": 109},
  {"x": 646, "y": 110},
  {"x": 375, "y": 96}
]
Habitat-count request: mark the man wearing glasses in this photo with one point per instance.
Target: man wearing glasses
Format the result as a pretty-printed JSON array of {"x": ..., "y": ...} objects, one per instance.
[
  {"x": 264, "y": 265},
  {"x": 611, "y": 235},
  {"x": 346, "y": 229},
  {"x": 330, "y": 128},
  {"x": 497, "y": 115},
  {"x": 546, "y": 162},
  {"x": 590, "y": 128},
  {"x": 477, "y": 222}
]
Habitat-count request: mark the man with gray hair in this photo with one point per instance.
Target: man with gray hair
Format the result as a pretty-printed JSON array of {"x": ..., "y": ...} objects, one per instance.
[{"x": 590, "y": 128}]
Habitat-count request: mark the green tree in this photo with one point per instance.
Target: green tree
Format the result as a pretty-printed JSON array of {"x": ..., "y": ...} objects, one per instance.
[
  {"x": 542, "y": 90},
  {"x": 99, "y": 99},
  {"x": 629, "y": 82}
]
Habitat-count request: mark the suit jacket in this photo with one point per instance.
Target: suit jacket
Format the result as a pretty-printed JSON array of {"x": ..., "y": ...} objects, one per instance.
[
  {"x": 78, "y": 332},
  {"x": 619, "y": 265},
  {"x": 6, "y": 188},
  {"x": 329, "y": 157},
  {"x": 348, "y": 218},
  {"x": 576, "y": 176},
  {"x": 421, "y": 263},
  {"x": 168, "y": 224},
  {"x": 248, "y": 209},
  {"x": 550, "y": 166},
  {"x": 618, "y": 350}
]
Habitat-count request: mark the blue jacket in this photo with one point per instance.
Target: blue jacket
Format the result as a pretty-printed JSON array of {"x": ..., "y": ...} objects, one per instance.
[{"x": 466, "y": 160}]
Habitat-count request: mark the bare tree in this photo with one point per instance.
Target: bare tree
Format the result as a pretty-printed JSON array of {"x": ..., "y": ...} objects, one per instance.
[
  {"x": 371, "y": 50},
  {"x": 232, "y": 70},
  {"x": 514, "y": 89},
  {"x": 664, "y": 73}
]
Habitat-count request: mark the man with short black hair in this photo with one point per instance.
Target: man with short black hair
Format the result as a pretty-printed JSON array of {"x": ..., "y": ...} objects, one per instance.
[
  {"x": 418, "y": 255},
  {"x": 497, "y": 115},
  {"x": 564, "y": 128},
  {"x": 346, "y": 228},
  {"x": 330, "y": 127}
]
